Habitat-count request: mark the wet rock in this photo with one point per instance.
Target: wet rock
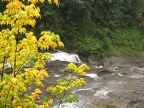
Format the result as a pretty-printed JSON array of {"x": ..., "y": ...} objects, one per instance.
[
  {"x": 137, "y": 103},
  {"x": 93, "y": 59},
  {"x": 113, "y": 106},
  {"x": 140, "y": 64},
  {"x": 104, "y": 72}
]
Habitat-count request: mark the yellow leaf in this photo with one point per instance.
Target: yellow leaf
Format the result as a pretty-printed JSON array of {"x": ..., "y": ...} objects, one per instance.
[
  {"x": 56, "y": 2},
  {"x": 19, "y": 107},
  {"x": 50, "y": 1},
  {"x": 42, "y": 1},
  {"x": 14, "y": 81}
]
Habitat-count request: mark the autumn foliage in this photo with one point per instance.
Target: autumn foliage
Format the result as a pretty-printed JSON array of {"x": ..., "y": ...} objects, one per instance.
[{"x": 21, "y": 63}]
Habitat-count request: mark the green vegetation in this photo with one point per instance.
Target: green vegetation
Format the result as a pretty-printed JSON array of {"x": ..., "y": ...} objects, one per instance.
[
  {"x": 127, "y": 41},
  {"x": 95, "y": 26}
]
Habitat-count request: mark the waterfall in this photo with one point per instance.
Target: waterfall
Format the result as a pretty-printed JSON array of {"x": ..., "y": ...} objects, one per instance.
[{"x": 63, "y": 56}]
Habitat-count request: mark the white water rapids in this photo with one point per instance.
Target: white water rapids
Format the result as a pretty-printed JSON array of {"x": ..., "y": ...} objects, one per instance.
[{"x": 63, "y": 56}]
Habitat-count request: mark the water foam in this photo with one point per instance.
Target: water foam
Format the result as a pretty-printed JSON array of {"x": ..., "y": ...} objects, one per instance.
[{"x": 63, "y": 56}]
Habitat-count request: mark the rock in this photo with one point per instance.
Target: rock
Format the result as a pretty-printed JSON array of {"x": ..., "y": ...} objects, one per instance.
[
  {"x": 93, "y": 59},
  {"x": 104, "y": 72},
  {"x": 136, "y": 103},
  {"x": 113, "y": 106}
]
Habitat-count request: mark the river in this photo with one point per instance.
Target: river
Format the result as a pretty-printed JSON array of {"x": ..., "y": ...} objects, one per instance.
[{"x": 114, "y": 82}]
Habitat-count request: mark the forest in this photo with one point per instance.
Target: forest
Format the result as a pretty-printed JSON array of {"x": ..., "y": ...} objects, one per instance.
[{"x": 101, "y": 27}]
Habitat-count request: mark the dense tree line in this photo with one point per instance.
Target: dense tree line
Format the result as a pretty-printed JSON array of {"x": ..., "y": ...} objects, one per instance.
[{"x": 96, "y": 26}]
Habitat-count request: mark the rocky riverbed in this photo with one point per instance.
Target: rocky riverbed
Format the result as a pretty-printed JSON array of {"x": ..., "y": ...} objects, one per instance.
[{"x": 113, "y": 82}]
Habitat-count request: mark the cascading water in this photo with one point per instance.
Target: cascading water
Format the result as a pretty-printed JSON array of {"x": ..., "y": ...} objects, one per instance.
[{"x": 63, "y": 56}]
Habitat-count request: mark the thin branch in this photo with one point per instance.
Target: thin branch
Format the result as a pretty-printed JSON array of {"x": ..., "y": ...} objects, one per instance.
[
  {"x": 61, "y": 97},
  {"x": 2, "y": 71},
  {"x": 22, "y": 66},
  {"x": 15, "y": 60}
]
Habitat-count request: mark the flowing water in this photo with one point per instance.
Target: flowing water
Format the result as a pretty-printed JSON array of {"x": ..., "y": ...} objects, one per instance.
[
  {"x": 114, "y": 86},
  {"x": 63, "y": 56}
]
